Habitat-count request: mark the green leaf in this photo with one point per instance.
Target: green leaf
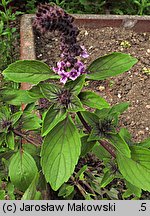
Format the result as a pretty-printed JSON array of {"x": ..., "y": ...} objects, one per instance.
[
  {"x": 35, "y": 92},
  {"x": 10, "y": 188},
  {"x": 106, "y": 115},
  {"x": 132, "y": 189},
  {"x": 124, "y": 133},
  {"x": 127, "y": 193},
  {"x": 120, "y": 144},
  {"x": 15, "y": 117},
  {"x": 50, "y": 91},
  {"x": 91, "y": 118},
  {"x": 52, "y": 117},
  {"x": 16, "y": 97},
  {"x": 87, "y": 196},
  {"x": 4, "y": 112},
  {"x": 94, "y": 135},
  {"x": 100, "y": 152},
  {"x": 22, "y": 170},
  {"x": 81, "y": 171},
  {"x": 113, "y": 194},
  {"x": 2, "y": 138},
  {"x": 34, "y": 151},
  {"x": 75, "y": 86},
  {"x": 107, "y": 178},
  {"x": 65, "y": 190},
  {"x": 31, "y": 192},
  {"x": 86, "y": 146},
  {"x": 37, "y": 195},
  {"x": 141, "y": 155},
  {"x": 145, "y": 143},
  {"x": 110, "y": 65},
  {"x": 119, "y": 108},
  {"x": 30, "y": 121},
  {"x": 75, "y": 104},
  {"x": 30, "y": 107},
  {"x": 31, "y": 71},
  {"x": 134, "y": 172},
  {"x": 93, "y": 100},
  {"x": 2, "y": 195},
  {"x": 79, "y": 126},
  {"x": 31, "y": 149},
  {"x": 10, "y": 141},
  {"x": 103, "y": 113},
  {"x": 60, "y": 153}
]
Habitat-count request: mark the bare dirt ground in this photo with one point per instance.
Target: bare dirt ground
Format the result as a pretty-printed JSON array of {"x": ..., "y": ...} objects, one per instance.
[{"x": 132, "y": 86}]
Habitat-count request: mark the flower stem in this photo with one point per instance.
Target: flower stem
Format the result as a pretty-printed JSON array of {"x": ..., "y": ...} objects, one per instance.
[
  {"x": 106, "y": 145},
  {"x": 35, "y": 143},
  {"x": 87, "y": 127}
]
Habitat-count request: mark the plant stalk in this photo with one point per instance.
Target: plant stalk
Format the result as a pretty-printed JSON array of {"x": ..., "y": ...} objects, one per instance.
[{"x": 18, "y": 133}]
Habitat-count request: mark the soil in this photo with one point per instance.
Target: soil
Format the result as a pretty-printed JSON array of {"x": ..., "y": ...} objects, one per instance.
[{"x": 132, "y": 86}]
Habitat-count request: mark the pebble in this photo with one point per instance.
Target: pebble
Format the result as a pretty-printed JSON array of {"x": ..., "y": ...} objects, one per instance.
[
  {"x": 40, "y": 55},
  {"x": 91, "y": 47},
  {"x": 119, "y": 95},
  {"x": 132, "y": 123},
  {"x": 148, "y": 106},
  {"x": 148, "y": 50},
  {"x": 141, "y": 132},
  {"x": 86, "y": 33},
  {"x": 147, "y": 128},
  {"x": 101, "y": 88}
]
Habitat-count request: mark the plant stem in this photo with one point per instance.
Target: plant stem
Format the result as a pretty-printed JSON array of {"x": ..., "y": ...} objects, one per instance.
[
  {"x": 80, "y": 188},
  {"x": 90, "y": 189},
  {"x": 18, "y": 133},
  {"x": 106, "y": 145},
  {"x": 103, "y": 143},
  {"x": 87, "y": 127}
]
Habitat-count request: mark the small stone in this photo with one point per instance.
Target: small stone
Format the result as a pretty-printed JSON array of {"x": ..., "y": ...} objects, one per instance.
[
  {"x": 147, "y": 128},
  {"x": 119, "y": 95},
  {"x": 91, "y": 47},
  {"x": 40, "y": 55},
  {"x": 148, "y": 106},
  {"x": 148, "y": 50},
  {"x": 129, "y": 23},
  {"x": 86, "y": 33},
  {"x": 132, "y": 123},
  {"x": 141, "y": 132},
  {"x": 101, "y": 88}
]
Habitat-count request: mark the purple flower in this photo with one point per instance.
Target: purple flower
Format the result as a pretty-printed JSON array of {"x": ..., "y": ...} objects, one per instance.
[
  {"x": 64, "y": 77},
  {"x": 80, "y": 67},
  {"x": 60, "y": 67},
  {"x": 61, "y": 64},
  {"x": 84, "y": 53},
  {"x": 67, "y": 72},
  {"x": 73, "y": 74}
]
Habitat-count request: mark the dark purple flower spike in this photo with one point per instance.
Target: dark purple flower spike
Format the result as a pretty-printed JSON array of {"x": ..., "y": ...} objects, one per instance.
[{"x": 51, "y": 18}]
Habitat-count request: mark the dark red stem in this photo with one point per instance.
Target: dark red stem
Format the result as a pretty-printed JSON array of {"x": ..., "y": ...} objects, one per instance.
[{"x": 33, "y": 142}]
